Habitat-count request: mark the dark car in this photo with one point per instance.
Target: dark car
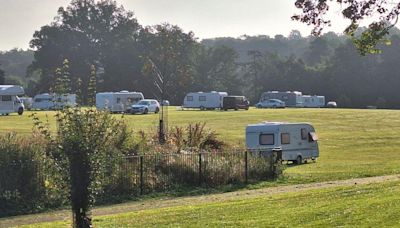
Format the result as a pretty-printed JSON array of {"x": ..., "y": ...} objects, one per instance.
[{"x": 235, "y": 102}]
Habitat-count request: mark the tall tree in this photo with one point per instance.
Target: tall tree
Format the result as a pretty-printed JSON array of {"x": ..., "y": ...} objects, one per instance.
[
  {"x": 92, "y": 86},
  {"x": 172, "y": 52},
  {"x": 89, "y": 32}
]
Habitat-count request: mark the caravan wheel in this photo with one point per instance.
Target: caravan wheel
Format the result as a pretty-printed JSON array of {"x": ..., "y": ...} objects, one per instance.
[
  {"x": 20, "y": 111},
  {"x": 299, "y": 160},
  {"x": 202, "y": 108}
]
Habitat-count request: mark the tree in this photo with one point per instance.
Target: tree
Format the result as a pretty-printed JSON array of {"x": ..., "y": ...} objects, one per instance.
[
  {"x": 2, "y": 77},
  {"x": 62, "y": 81},
  {"x": 89, "y": 32},
  {"x": 216, "y": 69},
  {"x": 384, "y": 15},
  {"x": 81, "y": 148},
  {"x": 92, "y": 86},
  {"x": 172, "y": 52}
]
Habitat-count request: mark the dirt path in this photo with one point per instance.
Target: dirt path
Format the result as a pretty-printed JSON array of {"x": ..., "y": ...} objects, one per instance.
[{"x": 193, "y": 200}]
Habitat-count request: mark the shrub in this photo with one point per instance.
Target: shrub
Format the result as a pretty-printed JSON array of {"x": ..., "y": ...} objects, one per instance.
[{"x": 82, "y": 148}]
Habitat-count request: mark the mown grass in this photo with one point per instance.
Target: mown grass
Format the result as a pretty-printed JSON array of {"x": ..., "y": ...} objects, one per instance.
[
  {"x": 353, "y": 143},
  {"x": 373, "y": 205}
]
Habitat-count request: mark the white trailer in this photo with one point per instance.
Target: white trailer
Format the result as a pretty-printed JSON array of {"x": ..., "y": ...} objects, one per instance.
[
  {"x": 204, "y": 100},
  {"x": 117, "y": 102},
  {"x": 313, "y": 101},
  {"x": 291, "y": 98},
  {"x": 9, "y": 101},
  {"x": 46, "y": 101},
  {"x": 298, "y": 141}
]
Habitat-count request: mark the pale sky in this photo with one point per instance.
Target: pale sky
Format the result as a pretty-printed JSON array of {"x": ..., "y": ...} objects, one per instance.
[{"x": 206, "y": 18}]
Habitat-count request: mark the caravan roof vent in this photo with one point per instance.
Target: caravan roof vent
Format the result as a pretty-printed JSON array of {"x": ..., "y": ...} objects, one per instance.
[{"x": 124, "y": 91}]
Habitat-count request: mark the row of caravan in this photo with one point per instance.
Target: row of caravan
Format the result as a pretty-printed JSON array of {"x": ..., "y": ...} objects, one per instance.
[
  {"x": 214, "y": 99},
  {"x": 295, "y": 99}
]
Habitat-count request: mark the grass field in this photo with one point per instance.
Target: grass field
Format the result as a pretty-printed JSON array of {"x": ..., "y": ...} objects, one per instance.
[
  {"x": 373, "y": 205},
  {"x": 353, "y": 143}
]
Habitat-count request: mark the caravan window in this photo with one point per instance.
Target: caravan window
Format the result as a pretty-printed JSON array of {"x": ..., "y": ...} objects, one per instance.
[
  {"x": 285, "y": 138},
  {"x": 6, "y": 98},
  {"x": 118, "y": 100},
  {"x": 267, "y": 139},
  {"x": 303, "y": 134},
  {"x": 202, "y": 98},
  {"x": 189, "y": 98}
]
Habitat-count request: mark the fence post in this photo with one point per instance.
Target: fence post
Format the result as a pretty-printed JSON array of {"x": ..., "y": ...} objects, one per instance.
[
  {"x": 276, "y": 159},
  {"x": 245, "y": 167},
  {"x": 200, "y": 169},
  {"x": 141, "y": 175}
]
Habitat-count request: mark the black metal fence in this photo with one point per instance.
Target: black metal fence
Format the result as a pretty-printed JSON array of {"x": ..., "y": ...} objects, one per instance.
[
  {"x": 26, "y": 183},
  {"x": 148, "y": 173}
]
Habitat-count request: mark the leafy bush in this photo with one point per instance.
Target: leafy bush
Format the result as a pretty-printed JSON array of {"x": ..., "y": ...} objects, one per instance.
[
  {"x": 82, "y": 148},
  {"x": 24, "y": 185}
]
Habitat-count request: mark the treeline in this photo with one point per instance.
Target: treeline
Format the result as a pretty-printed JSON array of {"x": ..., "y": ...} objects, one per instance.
[{"x": 104, "y": 38}]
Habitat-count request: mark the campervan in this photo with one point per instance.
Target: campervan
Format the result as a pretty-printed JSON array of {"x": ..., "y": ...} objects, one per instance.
[
  {"x": 204, "y": 100},
  {"x": 291, "y": 98},
  {"x": 9, "y": 101},
  {"x": 298, "y": 141},
  {"x": 117, "y": 102},
  {"x": 46, "y": 101},
  {"x": 313, "y": 101}
]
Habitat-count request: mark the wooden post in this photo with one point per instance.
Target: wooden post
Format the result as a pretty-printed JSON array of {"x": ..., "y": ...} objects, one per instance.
[
  {"x": 246, "y": 167},
  {"x": 200, "y": 173}
]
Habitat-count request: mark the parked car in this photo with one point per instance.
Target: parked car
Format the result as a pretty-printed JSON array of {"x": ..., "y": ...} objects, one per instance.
[
  {"x": 145, "y": 106},
  {"x": 235, "y": 102},
  {"x": 331, "y": 104},
  {"x": 271, "y": 103}
]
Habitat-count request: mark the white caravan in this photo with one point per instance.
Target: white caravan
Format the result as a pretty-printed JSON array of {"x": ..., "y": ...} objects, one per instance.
[
  {"x": 9, "y": 101},
  {"x": 313, "y": 101},
  {"x": 209, "y": 100},
  {"x": 291, "y": 98},
  {"x": 298, "y": 141},
  {"x": 117, "y": 102},
  {"x": 46, "y": 101}
]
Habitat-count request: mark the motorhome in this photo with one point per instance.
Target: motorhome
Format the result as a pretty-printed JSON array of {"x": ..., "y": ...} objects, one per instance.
[
  {"x": 204, "y": 100},
  {"x": 117, "y": 102},
  {"x": 313, "y": 101},
  {"x": 9, "y": 101},
  {"x": 298, "y": 141},
  {"x": 46, "y": 101},
  {"x": 291, "y": 98}
]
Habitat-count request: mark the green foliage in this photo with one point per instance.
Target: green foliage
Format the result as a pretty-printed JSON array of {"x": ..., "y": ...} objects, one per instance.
[
  {"x": 2, "y": 77},
  {"x": 62, "y": 81},
  {"x": 28, "y": 182},
  {"x": 92, "y": 86},
  {"x": 83, "y": 144}
]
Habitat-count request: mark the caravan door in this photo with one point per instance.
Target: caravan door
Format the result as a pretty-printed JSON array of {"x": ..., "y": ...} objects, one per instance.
[{"x": 6, "y": 104}]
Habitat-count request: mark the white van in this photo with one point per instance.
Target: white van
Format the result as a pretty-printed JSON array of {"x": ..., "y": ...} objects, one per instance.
[
  {"x": 117, "y": 102},
  {"x": 201, "y": 100},
  {"x": 298, "y": 141},
  {"x": 46, "y": 101},
  {"x": 9, "y": 101}
]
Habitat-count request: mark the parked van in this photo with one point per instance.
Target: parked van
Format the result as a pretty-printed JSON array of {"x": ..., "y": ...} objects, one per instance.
[
  {"x": 298, "y": 141},
  {"x": 117, "y": 102},
  {"x": 235, "y": 102},
  {"x": 9, "y": 100},
  {"x": 46, "y": 101},
  {"x": 204, "y": 100}
]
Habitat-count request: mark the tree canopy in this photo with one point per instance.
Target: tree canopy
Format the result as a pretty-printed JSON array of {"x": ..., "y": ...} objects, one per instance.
[{"x": 383, "y": 13}]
